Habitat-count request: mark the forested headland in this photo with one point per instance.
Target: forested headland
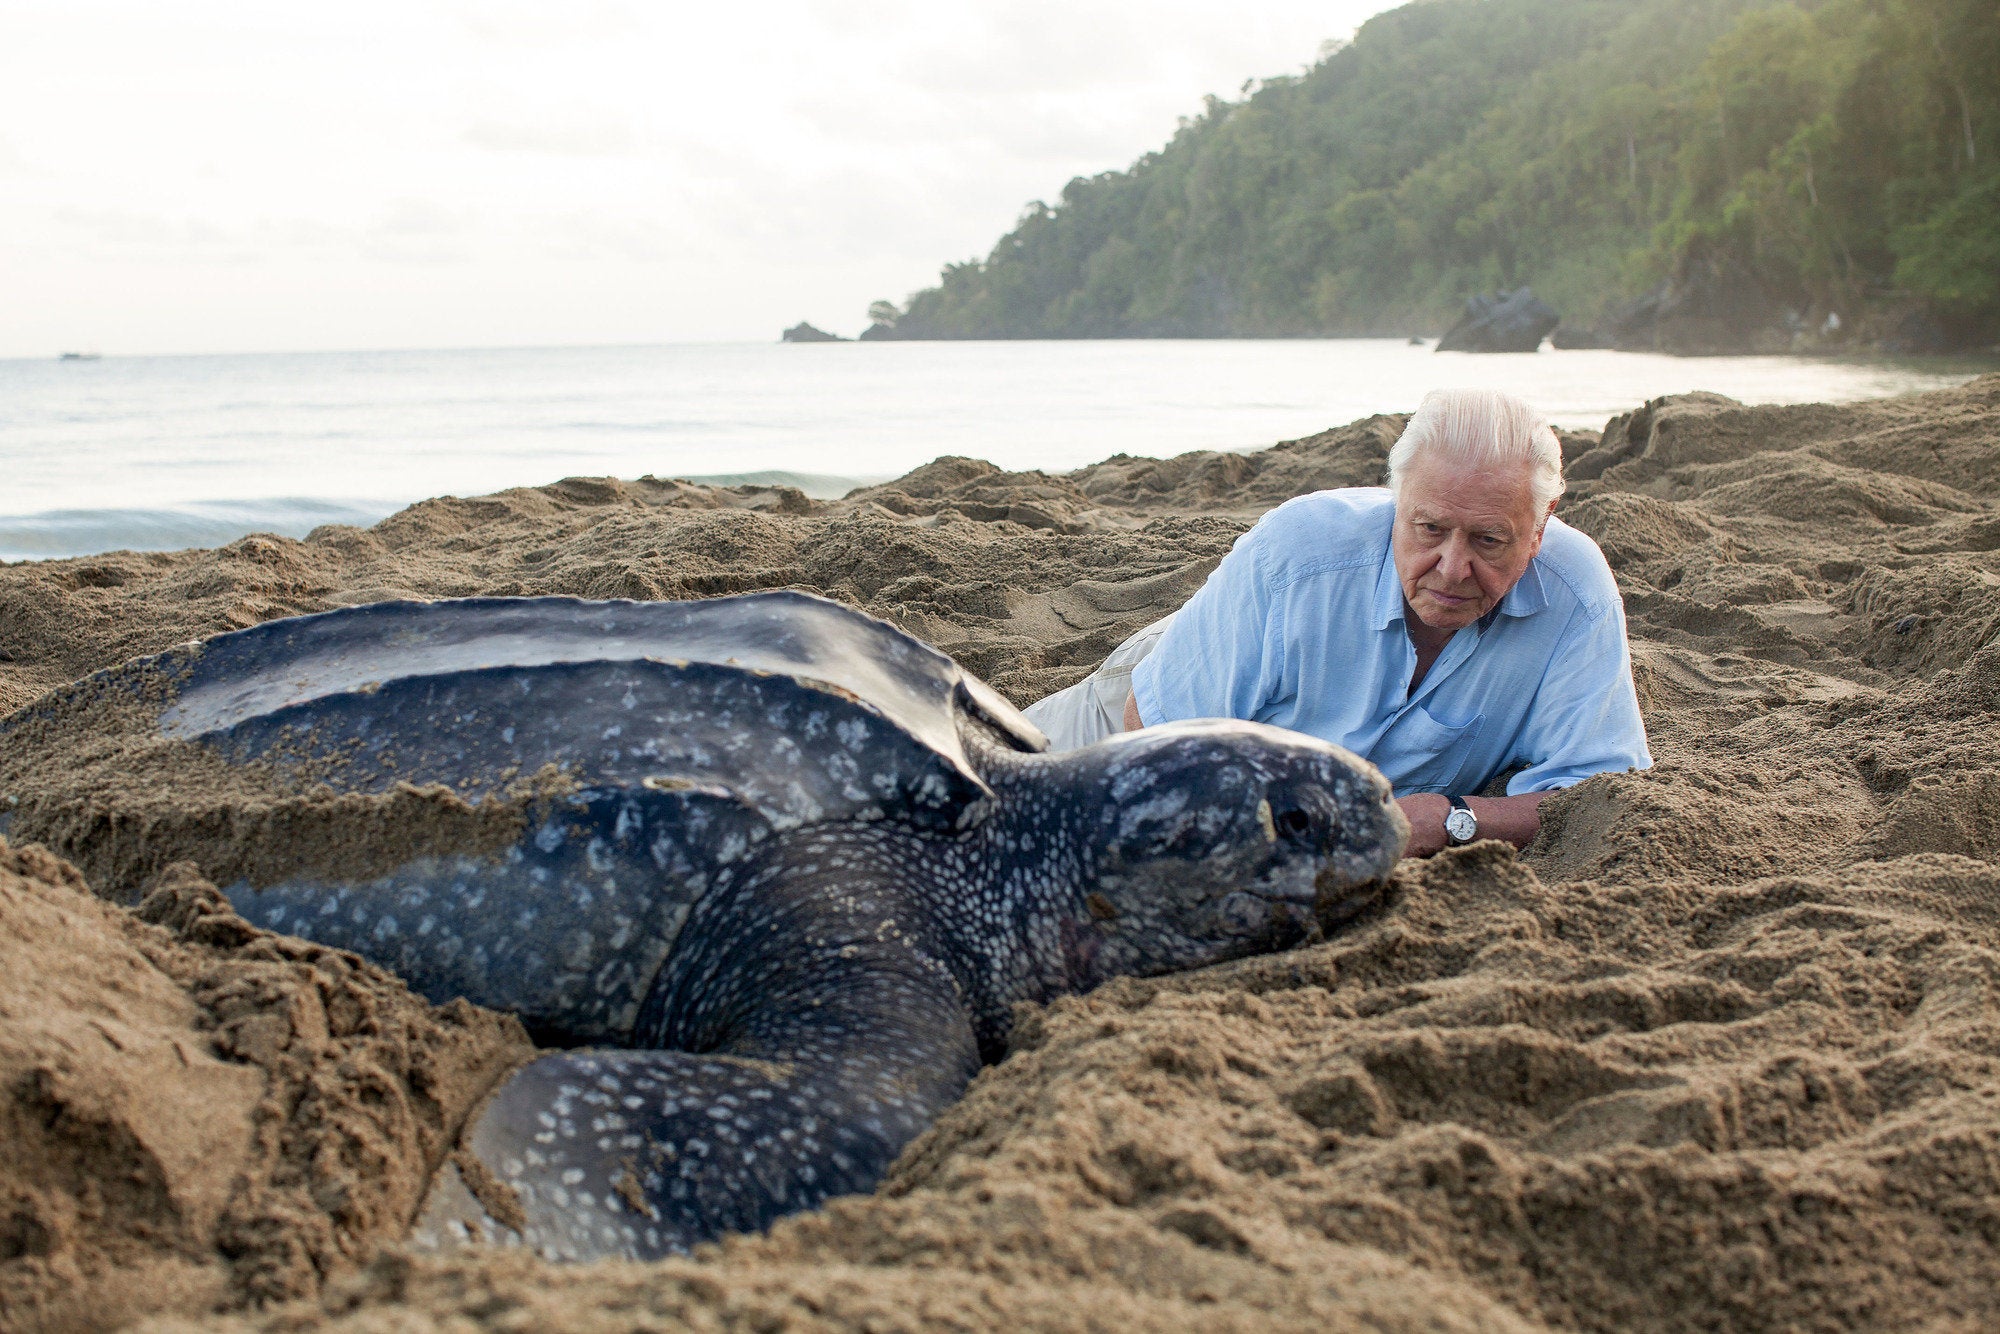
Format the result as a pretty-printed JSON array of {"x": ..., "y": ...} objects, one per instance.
[{"x": 1699, "y": 175}]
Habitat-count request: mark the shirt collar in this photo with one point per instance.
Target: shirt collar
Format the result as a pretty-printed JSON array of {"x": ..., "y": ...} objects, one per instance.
[
  {"x": 1388, "y": 592},
  {"x": 1525, "y": 598}
]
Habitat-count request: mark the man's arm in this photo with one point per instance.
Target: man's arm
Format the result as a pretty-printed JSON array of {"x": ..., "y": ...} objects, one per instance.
[
  {"x": 1223, "y": 655},
  {"x": 1585, "y": 720},
  {"x": 1515, "y": 819},
  {"x": 1585, "y": 717}
]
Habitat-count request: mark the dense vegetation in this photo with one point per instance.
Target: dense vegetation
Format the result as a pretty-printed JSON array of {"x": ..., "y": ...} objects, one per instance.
[{"x": 1841, "y": 155}]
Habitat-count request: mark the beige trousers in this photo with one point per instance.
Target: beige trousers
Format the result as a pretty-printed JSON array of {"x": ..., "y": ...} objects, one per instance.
[{"x": 1094, "y": 708}]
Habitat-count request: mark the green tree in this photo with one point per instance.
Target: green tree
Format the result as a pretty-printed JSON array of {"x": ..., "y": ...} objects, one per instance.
[
  {"x": 1953, "y": 256},
  {"x": 1830, "y": 148}
]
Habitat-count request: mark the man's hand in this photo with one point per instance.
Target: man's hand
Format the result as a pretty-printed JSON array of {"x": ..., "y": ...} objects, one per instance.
[
  {"x": 1515, "y": 819},
  {"x": 1132, "y": 723}
]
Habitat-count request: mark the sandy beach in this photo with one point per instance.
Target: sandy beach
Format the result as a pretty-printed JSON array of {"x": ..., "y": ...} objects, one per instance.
[{"x": 1721, "y": 1050}]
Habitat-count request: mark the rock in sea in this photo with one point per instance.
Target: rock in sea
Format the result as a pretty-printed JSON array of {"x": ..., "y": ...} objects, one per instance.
[
  {"x": 803, "y": 332},
  {"x": 1504, "y": 322}
]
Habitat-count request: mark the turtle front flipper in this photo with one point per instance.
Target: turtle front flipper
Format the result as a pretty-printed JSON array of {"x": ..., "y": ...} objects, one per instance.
[
  {"x": 833, "y": 1049},
  {"x": 637, "y": 1155},
  {"x": 618, "y": 1154}
]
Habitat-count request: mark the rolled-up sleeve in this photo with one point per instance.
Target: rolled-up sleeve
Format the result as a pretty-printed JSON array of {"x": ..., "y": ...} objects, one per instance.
[
  {"x": 1223, "y": 655},
  {"x": 1585, "y": 716}
]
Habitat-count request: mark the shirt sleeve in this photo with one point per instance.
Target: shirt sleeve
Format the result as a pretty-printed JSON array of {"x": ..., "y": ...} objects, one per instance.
[
  {"x": 1585, "y": 718},
  {"x": 1222, "y": 656}
]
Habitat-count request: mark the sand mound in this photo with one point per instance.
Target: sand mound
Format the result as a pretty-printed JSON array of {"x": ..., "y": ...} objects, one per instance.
[
  {"x": 201, "y": 1114},
  {"x": 1722, "y": 1050}
]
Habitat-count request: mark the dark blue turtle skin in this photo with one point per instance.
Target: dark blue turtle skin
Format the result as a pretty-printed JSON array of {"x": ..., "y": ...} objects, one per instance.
[{"x": 792, "y": 872}]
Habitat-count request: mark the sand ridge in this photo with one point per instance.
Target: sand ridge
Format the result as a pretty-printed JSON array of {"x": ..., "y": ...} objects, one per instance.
[
  {"x": 201, "y": 1114},
  {"x": 1721, "y": 1050}
]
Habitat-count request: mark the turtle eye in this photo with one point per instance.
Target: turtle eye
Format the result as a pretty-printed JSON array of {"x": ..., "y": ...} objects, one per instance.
[{"x": 1293, "y": 823}]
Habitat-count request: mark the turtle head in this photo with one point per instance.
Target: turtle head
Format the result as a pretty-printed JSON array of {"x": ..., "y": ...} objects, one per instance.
[{"x": 1210, "y": 840}]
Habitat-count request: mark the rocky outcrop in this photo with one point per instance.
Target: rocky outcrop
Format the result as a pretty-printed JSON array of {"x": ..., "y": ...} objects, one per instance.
[
  {"x": 803, "y": 332},
  {"x": 1568, "y": 339},
  {"x": 1504, "y": 322},
  {"x": 1712, "y": 306}
]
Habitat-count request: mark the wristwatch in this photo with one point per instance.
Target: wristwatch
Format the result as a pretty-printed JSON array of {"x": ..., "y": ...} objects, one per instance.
[{"x": 1461, "y": 826}]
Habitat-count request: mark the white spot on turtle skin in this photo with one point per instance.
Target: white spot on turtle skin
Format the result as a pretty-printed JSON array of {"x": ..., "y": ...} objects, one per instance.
[
  {"x": 1265, "y": 822},
  {"x": 1163, "y": 807},
  {"x": 1245, "y": 912}
]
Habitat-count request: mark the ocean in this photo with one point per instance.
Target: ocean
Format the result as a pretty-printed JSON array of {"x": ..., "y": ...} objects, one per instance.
[{"x": 157, "y": 453}]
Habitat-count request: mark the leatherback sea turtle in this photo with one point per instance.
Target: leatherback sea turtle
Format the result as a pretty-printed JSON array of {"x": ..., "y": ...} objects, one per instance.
[{"x": 770, "y": 871}]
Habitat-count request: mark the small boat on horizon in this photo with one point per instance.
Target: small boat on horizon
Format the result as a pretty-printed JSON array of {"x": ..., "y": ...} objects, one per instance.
[{"x": 81, "y": 356}]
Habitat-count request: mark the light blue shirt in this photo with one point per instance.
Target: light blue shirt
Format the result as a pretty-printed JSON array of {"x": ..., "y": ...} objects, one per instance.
[{"x": 1301, "y": 626}]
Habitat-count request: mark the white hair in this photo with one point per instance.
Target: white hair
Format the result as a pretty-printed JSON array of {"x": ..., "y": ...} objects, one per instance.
[{"x": 1482, "y": 428}]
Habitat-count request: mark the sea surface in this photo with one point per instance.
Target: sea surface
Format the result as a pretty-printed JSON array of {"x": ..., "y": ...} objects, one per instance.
[{"x": 156, "y": 453}]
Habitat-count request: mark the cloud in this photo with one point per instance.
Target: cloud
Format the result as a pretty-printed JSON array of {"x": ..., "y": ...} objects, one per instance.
[
  {"x": 125, "y": 230},
  {"x": 593, "y": 236},
  {"x": 418, "y": 231},
  {"x": 532, "y": 23},
  {"x": 11, "y": 161},
  {"x": 544, "y": 159},
  {"x": 578, "y": 139},
  {"x": 408, "y": 231}
]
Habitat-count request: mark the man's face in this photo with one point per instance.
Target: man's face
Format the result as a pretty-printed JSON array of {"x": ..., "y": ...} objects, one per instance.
[{"x": 1462, "y": 539}]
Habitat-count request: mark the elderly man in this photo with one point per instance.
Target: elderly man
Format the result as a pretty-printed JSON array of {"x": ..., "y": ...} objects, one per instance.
[{"x": 1448, "y": 627}]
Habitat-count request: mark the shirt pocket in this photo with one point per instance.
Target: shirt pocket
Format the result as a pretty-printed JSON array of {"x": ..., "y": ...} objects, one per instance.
[{"x": 1422, "y": 752}]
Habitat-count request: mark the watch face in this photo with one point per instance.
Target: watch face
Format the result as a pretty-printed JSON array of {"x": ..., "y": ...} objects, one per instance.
[{"x": 1461, "y": 825}]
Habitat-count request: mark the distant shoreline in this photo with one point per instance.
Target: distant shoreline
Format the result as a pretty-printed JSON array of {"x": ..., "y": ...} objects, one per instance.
[
  {"x": 109, "y": 361},
  {"x": 167, "y": 454}
]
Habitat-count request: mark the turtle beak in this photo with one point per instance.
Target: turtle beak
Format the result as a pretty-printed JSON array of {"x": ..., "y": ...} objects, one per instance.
[
  {"x": 1357, "y": 876},
  {"x": 1275, "y": 921},
  {"x": 1339, "y": 901}
]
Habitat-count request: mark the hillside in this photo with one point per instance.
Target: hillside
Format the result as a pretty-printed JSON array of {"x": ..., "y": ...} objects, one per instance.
[{"x": 1692, "y": 174}]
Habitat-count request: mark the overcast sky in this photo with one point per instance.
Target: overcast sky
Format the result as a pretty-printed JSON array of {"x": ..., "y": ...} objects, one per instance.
[{"x": 215, "y": 175}]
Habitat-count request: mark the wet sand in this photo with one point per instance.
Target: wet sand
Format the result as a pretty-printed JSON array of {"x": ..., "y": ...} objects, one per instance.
[{"x": 1721, "y": 1050}]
